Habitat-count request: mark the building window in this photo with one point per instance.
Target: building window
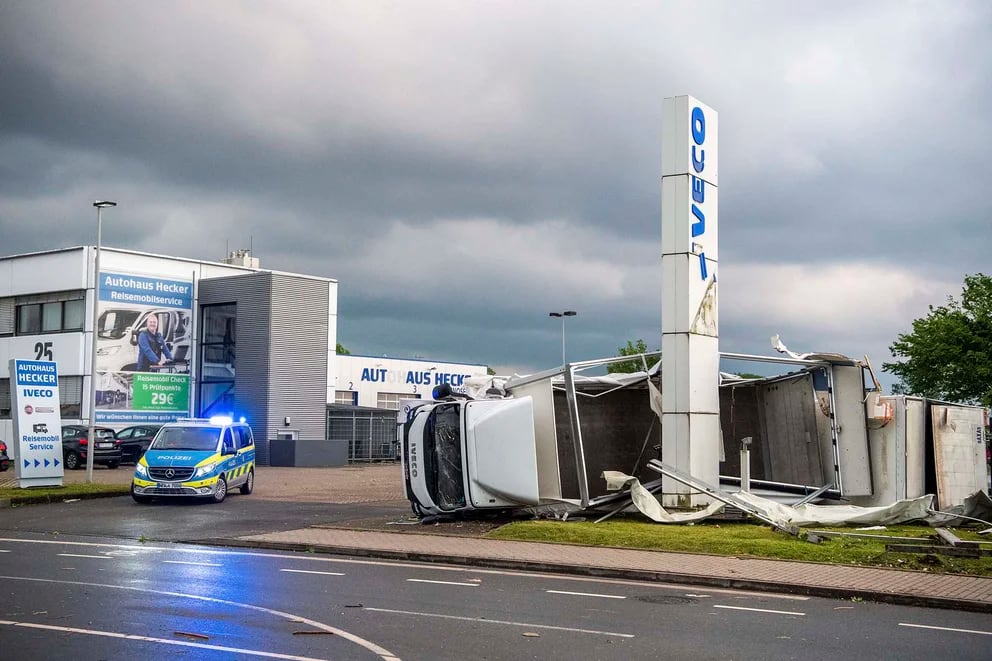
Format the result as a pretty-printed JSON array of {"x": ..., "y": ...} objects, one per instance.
[
  {"x": 218, "y": 332},
  {"x": 50, "y": 313},
  {"x": 4, "y": 399},
  {"x": 391, "y": 400},
  {"x": 70, "y": 397},
  {"x": 348, "y": 397}
]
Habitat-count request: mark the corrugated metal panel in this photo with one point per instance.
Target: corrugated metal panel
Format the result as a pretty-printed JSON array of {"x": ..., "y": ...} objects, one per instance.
[
  {"x": 298, "y": 355},
  {"x": 787, "y": 412}
]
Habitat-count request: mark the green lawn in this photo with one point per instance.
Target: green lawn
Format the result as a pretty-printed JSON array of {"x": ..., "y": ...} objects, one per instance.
[
  {"x": 745, "y": 539},
  {"x": 66, "y": 492}
]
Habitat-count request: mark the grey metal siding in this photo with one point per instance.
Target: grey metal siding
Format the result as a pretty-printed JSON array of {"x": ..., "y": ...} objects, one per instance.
[{"x": 298, "y": 356}]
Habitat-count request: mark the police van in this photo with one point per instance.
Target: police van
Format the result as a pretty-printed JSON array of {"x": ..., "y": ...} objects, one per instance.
[{"x": 204, "y": 458}]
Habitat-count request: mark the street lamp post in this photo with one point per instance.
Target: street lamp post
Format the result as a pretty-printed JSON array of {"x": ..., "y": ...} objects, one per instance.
[
  {"x": 90, "y": 439},
  {"x": 562, "y": 315}
]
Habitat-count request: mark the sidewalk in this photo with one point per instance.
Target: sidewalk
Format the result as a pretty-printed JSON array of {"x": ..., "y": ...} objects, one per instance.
[{"x": 813, "y": 579}]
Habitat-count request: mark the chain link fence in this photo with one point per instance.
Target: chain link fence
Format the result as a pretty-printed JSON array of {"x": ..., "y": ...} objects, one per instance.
[{"x": 370, "y": 432}]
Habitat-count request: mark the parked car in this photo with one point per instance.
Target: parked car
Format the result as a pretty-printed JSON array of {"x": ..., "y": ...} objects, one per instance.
[
  {"x": 134, "y": 441},
  {"x": 75, "y": 445},
  {"x": 4, "y": 457}
]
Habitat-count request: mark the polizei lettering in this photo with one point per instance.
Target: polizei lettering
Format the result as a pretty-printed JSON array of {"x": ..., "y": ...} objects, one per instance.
[{"x": 698, "y": 127}]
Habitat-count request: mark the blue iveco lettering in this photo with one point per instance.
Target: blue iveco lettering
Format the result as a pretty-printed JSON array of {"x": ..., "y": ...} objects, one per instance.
[{"x": 698, "y": 126}]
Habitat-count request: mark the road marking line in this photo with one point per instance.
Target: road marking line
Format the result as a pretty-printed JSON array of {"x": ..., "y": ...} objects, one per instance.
[
  {"x": 4, "y": 551},
  {"x": 79, "y": 555},
  {"x": 305, "y": 571},
  {"x": 195, "y": 564},
  {"x": 449, "y": 568},
  {"x": 926, "y": 626},
  {"x": 382, "y": 652},
  {"x": 758, "y": 610},
  {"x": 163, "y": 641},
  {"x": 587, "y": 594},
  {"x": 482, "y": 620},
  {"x": 424, "y": 580}
]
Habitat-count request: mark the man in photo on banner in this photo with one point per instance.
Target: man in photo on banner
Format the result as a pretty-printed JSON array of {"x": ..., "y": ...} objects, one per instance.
[{"x": 152, "y": 349}]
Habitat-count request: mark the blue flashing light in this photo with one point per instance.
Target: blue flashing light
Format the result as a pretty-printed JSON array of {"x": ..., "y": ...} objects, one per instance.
[
  {"x": 221, "y": 420},
  {"x": 242, "y": 419}
]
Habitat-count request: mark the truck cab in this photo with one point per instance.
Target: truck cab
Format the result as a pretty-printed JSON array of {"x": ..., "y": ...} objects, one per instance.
[{"x": 462, "y": 455}]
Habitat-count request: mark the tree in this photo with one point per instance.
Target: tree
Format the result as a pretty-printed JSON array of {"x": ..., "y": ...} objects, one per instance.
[
  {"x": 632, "y": 349},
  {"x": 948, "y": 354},
  {"x": 342, "y": 351}
]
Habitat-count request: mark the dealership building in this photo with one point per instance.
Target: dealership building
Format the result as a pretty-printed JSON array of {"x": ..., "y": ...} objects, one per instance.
[{"x": 237, "y": 340}]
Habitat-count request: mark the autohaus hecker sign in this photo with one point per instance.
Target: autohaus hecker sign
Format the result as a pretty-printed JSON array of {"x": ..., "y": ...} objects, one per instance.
[{"x": 37, "y": 422}]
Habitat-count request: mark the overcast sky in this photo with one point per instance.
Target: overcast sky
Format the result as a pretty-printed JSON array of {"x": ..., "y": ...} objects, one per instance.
[{"x": 463, "y": 168}]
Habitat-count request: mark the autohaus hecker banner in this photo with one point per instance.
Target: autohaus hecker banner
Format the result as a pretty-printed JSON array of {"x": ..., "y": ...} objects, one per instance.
[{"x": 144, "y": 327}]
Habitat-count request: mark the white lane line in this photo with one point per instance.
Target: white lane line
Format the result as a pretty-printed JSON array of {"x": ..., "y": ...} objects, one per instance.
[
  {"x": 305, "y": 571},
  {"x": 424, "y": 580},
  {"x": 758, "y": 610},
  {"x": 195, "y": 564},
  {"x": 926, "y": 626},
  {"x": 587, "y": 594},
  {"x": 80, "y": 555},
  {"x": 482, "y": 620},
  {"x": 412, "y": 565},
  {"x": 4, "y": 551},
  {"x": 163, "y": 641},
  {"x": 382, "y": 652}
]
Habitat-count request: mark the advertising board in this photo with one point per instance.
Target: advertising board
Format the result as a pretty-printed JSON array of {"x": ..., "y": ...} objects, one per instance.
[
  {"x": 144, "y": 334},
  {"x": 37, "y": 422}
]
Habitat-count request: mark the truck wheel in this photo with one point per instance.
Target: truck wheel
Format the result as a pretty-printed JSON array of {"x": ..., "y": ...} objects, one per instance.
[
  {"x": 71, "y": 461},
  {"x": 220, "y": 492},
  {"x": 249, "y": 484}
]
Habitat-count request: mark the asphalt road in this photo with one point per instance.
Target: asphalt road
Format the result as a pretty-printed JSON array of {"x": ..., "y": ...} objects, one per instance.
[
  {"x": 187, "y": 520},
  {"x": 101, "y": 598}
]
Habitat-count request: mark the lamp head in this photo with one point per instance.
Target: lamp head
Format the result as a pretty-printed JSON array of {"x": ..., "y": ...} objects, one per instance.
[{"x": 103, "y": 204}]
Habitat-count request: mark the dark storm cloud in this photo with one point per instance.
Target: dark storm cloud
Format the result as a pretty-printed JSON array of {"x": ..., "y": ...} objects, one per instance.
[{"x": 352, "y": 141}]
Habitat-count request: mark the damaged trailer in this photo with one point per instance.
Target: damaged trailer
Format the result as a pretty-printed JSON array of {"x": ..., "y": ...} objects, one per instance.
[{"x": 814, "y": 433}]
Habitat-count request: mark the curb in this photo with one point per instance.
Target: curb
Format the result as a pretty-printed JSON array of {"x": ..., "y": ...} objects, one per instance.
[
  {"x": 17, "y": 501},
  {"x": 627, "y": 574}
]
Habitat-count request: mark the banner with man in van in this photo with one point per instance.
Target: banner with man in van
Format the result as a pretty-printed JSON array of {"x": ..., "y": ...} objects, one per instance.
[{"x": 144, "y": 327}]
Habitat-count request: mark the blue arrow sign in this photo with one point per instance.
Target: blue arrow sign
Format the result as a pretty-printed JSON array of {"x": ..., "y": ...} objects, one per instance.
[
  {"x": 55, "y": 462},
  {"x": 26, "y": 463},
  {"x": 47, "y": 462},
  {"x": 37, "y": 463}
]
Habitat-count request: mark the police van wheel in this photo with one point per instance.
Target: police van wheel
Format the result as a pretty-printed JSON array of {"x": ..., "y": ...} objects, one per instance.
[
  {"x": 220, "y": 491},
  {"x": 249, "y": 484}
]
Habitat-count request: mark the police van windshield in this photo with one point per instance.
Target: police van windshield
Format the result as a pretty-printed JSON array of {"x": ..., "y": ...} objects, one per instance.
[{"x": 202, "y": 439}]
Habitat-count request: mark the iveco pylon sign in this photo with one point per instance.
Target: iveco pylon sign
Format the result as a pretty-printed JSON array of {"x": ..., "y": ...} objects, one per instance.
[{"x": 37, "y": 422}]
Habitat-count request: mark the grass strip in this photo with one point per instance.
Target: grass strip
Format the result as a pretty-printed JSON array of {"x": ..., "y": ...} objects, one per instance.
[{"x": 745, "y": 539}]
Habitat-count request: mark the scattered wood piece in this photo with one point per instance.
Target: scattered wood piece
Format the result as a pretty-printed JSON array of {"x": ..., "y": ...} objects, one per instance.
[
  {"x": 530, "y": 634},
  {"x": 39, "y": 612},
  {"x": 354, "y": 606},
  {"x": 957, "y": 551},
  {"x": 187, "y": 634},
  {"x": 313, "y": 633},
  {"x": 857, "y": 535}
]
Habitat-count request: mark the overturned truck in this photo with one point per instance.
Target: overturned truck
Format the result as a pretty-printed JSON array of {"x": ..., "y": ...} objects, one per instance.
[{"x": 815, "y": 433}]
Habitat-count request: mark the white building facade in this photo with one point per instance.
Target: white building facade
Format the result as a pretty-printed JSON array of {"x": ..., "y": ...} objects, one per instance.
[{"x": 381, "y": 382}]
